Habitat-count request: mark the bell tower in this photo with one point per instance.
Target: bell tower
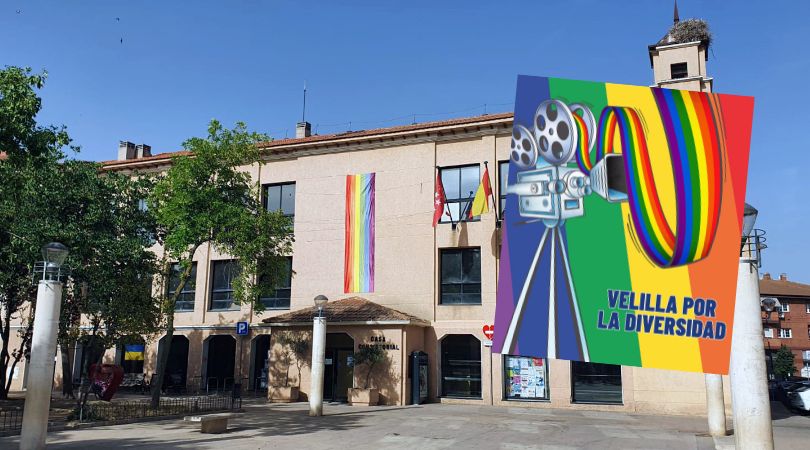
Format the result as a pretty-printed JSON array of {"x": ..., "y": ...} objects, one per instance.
[{"x": 679, "y": 58}]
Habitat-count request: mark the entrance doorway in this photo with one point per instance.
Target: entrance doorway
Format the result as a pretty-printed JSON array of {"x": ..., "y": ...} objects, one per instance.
[
  {"x": 220, "y": 351},
  {"x": 259, "y": 363},
  {"x": 174, "y": 378},
  {"x": 338, "y": 374}
]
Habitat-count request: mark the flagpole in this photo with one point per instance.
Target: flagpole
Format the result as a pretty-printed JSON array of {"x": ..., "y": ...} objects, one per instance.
[{"x": 495, "y": 206}]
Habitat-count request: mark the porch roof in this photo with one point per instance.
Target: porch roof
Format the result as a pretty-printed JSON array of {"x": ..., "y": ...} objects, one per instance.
[{"x": 348, "y": 311}]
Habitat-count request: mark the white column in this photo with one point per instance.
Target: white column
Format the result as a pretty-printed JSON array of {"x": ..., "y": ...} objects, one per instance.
[
  {"x": 41, "y": 365},
  {"x": 318, "y": 354},
  {"x": 749, "y": 383},
  {"x": 715, "y": 406}
]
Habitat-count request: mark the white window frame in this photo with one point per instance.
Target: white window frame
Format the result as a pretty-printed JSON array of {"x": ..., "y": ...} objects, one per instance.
[
  {"x": 785, "y": 333},
  {"x": 784, "y": 307},
  {"x": 768, "y": 332}
]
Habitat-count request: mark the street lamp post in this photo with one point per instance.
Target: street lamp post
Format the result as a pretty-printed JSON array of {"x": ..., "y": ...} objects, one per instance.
[
  {"x": 318, "y": 354},
  {"x": 43, "y": 347},
  {"x": 749, "y": 384}
]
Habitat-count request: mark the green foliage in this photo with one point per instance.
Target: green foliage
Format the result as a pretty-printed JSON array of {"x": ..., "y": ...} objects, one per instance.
[
  {"x": 45, "y": 197},
  {"x": 370, "y": 356},
  {"x": 783, "y": 365},
  {"x": 208, "y": 196}
]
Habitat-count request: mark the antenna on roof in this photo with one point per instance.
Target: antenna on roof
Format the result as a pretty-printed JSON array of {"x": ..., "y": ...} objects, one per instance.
[
  {"x": 675, "y": 18},
  {"x": 304, "y": 110}
]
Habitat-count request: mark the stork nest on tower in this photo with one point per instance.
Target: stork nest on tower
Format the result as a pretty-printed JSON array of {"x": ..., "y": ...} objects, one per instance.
[{"x": 690, "y": 30}]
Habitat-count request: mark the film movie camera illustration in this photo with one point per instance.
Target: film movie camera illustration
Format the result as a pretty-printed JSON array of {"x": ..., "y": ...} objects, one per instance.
[{"x": 552, "y": 192}]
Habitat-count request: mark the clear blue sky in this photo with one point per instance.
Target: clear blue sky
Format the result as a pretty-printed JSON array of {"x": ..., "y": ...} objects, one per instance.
[{"x": 182, "y": 63}]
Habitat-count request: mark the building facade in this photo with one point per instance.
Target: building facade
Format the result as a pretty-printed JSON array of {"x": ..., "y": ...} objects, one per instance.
[
  {"x": 788, "y": 323},
  {"x": 435, "y": 287}
]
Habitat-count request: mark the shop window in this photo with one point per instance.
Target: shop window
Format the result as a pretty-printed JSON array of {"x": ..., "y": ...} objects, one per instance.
[
  {"x": 596, "y": 382},
  {"x": 679, "y": 70},
  {"x": 280, "y": 298},
  {"x": 224, "y": 273},
  {"x": 525, "y": 378},
  {"x": 460, "y": 276},
  {"x": 785, "y": 333},
  {"x": 185, "y": 302},
  {"x": 461, "y": 366},
  {"x": 460, "y": 184},
  {"x": 280, "y": 197},
  {"x": 503, "y": 179}
]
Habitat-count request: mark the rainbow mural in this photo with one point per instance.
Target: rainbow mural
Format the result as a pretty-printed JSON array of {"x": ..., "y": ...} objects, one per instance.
[
  {"x": 622, "y": 224},
  {"x": 358, "y": 261}
]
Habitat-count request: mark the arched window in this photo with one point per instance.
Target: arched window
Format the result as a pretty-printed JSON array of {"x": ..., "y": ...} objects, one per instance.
[{"x": 461, "y": 366}]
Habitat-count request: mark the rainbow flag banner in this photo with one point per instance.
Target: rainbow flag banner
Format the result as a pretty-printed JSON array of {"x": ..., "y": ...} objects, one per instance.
[
  {"x": 622, "y": 226},
  {"x": 358, "y": 265}
]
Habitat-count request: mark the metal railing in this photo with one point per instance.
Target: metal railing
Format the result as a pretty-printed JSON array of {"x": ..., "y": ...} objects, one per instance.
[
  {"x": 128, "y": 410},
  {"x": 11, "y": 420},
  {"x": 751, "y": 247}
]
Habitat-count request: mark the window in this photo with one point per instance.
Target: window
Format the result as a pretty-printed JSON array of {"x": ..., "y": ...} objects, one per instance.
[
  {"x": 807, "y": 308},
  {"x": 785, "y": 333},
  {"x": 679, "y": 70},
  {"x": 461, "y": 366},
  {"x": 503, "y": 179},
  {"x": 596, "y": 382},
  {"x": 185, "y": 302},
  {"x": 461, "y": 276},
  {"x": 224, "y": 274},
  {"x": 525, "y": 378},
  {"x": 768, "y": 332},
  {"x": 460, "y": 184},
  {"x": 280, "y": 197},
  {"x": 280, "y": 299},
  {"x": 784, "y": 307},
  {"x": 805, "y": 355}
]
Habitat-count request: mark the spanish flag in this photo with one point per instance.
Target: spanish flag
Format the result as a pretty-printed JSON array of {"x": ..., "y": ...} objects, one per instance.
[{"x": 480, "y": 203}]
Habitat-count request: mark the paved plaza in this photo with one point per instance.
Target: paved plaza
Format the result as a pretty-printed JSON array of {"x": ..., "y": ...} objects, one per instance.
[{"x": 432, "y": 426}]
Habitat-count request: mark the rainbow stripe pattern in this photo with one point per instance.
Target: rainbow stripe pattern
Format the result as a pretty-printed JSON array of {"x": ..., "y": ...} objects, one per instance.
[
  {"x": 358, "y": 265},
  {"x": 676, "y": 238}
]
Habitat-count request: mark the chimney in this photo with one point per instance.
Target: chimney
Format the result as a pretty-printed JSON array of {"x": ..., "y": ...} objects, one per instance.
[
  {"x": 303, "y": 129},
  {"x": 143, "y": 150},
  {"x": 783, "y": 277},
  {"x": 126, "y": 150},
  {"x": 766, "y": 276}
]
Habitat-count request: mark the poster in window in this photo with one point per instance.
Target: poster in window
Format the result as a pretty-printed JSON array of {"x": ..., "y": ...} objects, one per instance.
[{"x": 525, "y": 378}]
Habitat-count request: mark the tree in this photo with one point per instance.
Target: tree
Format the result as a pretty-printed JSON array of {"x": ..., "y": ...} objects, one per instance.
[
  {"x": 293, "y": 345},
  {"x": 783, "y": 365},
  {"x": 370, "y": 356},
  {"x": 206, "y": 197},
  {"x": 46, "y": 197}
]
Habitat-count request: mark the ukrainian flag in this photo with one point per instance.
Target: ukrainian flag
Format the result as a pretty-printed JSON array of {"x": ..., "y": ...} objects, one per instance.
[{"x": 133, "y": 352}]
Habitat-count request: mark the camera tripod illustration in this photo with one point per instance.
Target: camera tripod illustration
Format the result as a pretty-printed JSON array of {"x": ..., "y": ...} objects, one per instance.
[{"x": 553, "y": 192}]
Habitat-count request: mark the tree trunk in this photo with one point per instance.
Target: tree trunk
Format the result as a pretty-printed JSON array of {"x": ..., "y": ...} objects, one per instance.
[
  {"x": 163, "y": 359},
  {"x": 368, "y": 374},
  {"x": 67, "y": 373},
  {"x": 4, "y": 359},
  {"x": 168, "y": 310}
]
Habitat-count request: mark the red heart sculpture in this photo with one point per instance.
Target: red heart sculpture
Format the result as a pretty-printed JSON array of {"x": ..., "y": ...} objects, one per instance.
[
  {"x": 106, "y": 379},
  {"x": 489, "y": 331}
]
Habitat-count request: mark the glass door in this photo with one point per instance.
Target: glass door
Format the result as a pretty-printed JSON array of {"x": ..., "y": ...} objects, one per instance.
[{"x": 344, "y": 374}]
